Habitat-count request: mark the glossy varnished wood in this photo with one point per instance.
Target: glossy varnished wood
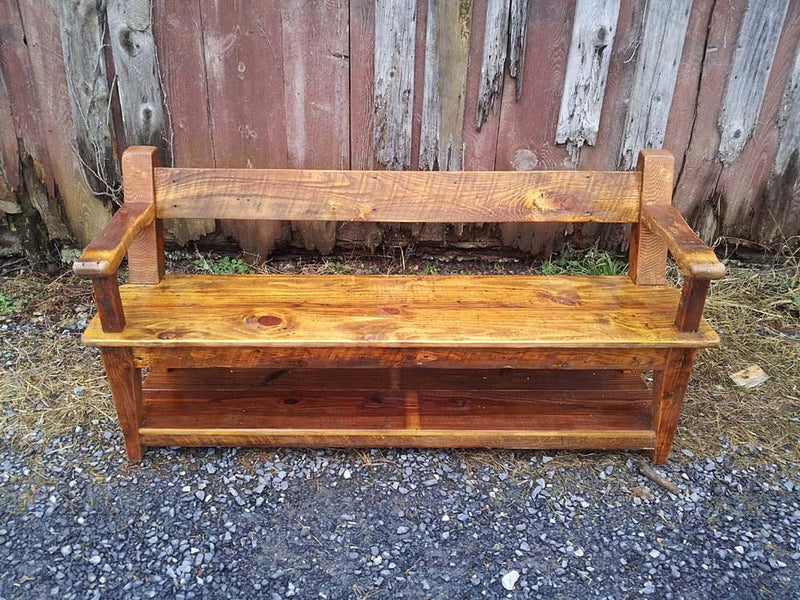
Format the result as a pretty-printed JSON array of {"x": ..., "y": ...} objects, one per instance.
[
  {"x": 365, "y": 356},
  {"x": 669, "y": 389},
  {"x": 398, "y": 196},
  {"x": 400, "y": 311},
  {"x": 648, "y": 251},
  {"x": 199, "y": 407},
  {"x": 146, "y": 252},
  {"x": 690, "y": 308},
  {"x": 126, "y": 388},
  {"x": 694, "y": 258},
  {"x": 109, "y": 303}
]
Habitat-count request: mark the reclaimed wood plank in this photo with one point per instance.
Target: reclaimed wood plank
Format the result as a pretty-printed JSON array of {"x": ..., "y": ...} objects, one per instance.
[
  {"x": 657, "y": 64},
  {"x": 446, "y": 63},
  {"x": 365, "y": 357},
  {"x": 525, "y": 139},
  {"x": 110, "y": 312},
  {"x": 400, "y": 311},
  {"x": 493, "y": 63},
  {"x": 242, "y": 45},
  {"x": 138, "y": 81},
  {"x": 693, "y": 299},
  {"x": 694, "y": 258},
  {"x": 593, "y": 31},
  {"x": 146, "y": 249},
  {"x": 669, "y": 389},
  {"x": 395, "y": 32},
  {"x": 316, "y": 95},
  {"x": 517, "y": 42},
  {"x": 398, "y": 196},
  {"x": 695, "y": 193},
  {"x": 80, "y": 216},
  {"x": 126, "y": 388},
  {"x": 749, "y": 73},
  {"x": 178, "y": 33},
  {"x": 480, "y": 144}
]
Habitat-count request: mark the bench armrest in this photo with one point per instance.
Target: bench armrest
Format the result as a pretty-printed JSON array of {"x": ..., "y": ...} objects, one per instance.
[
  {"x": 694, "y": 258},
  {"x": 103, "y": 256}
]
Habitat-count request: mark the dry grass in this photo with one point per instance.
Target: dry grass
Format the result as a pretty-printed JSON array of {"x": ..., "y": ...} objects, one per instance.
[{"x": 49, "y": 383}]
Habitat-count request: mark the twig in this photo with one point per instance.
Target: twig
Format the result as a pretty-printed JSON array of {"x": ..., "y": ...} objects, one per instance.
[{"x": 665, "y": 483}]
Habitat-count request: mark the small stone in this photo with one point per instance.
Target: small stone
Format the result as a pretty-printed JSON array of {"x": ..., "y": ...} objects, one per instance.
[
  {"x": 66, "y": 550},
  {"x": 95, "y": 559},
  {"x": 200, "y": 495},
  {"x": 545, "y": 460},
  {"x": 578, "y": 552},
  {"x": 654, "y": 553},
  {"x": 347, "y": 474},
  {"x": 739, "y": 549},
  {"x": 687, "y": 452},
  {"x": 510, "y": 579},
  {"x": 401, "y": 530}
]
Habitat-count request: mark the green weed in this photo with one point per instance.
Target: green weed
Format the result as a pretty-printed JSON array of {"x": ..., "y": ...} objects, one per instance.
[
  {"x": 591, "y": 262},
  {"x": 223, "y": 266}
]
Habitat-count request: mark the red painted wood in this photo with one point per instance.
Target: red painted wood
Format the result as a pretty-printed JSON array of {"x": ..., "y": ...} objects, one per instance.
[
  {"x": 362, "y": 78},
  {"x": 244, "y": 68},
  {"x": 481, "y": 146}
]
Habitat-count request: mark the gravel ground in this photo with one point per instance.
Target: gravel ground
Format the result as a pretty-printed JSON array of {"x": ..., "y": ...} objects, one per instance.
[{"x": 78, "y": 521}]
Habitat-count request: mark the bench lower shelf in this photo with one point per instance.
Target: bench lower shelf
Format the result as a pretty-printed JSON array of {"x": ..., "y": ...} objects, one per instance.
[{"x": 402, "y": 408}]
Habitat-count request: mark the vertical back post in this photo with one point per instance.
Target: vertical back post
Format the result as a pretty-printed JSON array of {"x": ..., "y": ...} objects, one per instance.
[
  {"x": 648, "y": 253},
  {"x": 146, "y": 253}
]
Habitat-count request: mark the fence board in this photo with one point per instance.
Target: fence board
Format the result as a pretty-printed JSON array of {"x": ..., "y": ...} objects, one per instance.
[
  {"x": 77, "y": 206},
  {"x": 245, "y": 93},
  {"x": 316, "y": 95},
  {"x": 593, "y": 30},
  {"x": 395, "y": 39},
  {"x": 750, "y": 69},
  {"x": 446, "y": 62},
  {"x": 493, "y": 63},
  {"x": 82, "y": 33},
  {"x": 657, "y": 65},
  {"x": 525, "y": 139},
  {"x": 178, "y": 31}
]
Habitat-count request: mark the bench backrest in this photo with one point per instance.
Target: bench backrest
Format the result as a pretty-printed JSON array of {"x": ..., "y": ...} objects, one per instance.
[{"x": 399, "y": 196}]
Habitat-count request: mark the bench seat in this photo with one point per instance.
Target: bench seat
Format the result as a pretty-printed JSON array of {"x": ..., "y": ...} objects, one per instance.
[{"x": 302, "y": 311}]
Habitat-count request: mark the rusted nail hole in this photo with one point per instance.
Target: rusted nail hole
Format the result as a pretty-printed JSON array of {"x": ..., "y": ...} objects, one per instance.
[
  {"x": 269, "y": 320},
  {"x": 390, "y": 310},
  {"x": 291, "y": 401},
  {"x": 166, "y": 335}
]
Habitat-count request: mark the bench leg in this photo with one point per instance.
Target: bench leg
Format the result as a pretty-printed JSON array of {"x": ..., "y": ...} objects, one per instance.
[
  {"x": 669, "y": 387},
  {"x": 126, "y": 388}
]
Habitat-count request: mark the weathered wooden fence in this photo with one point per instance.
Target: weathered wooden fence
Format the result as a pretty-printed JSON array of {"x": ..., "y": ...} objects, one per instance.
[{"x": 400, "y": 84}]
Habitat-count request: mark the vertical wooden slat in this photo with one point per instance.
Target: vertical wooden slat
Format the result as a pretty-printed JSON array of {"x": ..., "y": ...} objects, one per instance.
[
  {"x": 126, "y": 388},
  {"x": 493, "y": 63},
  {"x": 749, "y": 72},
  {"x": 178, "y": 33},
  {"x": 690, "y": 308},
  {"x": 395, "y": 31},
  {"x": 89, "y": 95},
  {"x": 517, "y": 42},
  {"x": 696, "y": 181},
  {"x": 741, "y": 187},
  {"x": 446, "y": 61},
  {"x": 9, "y": 149},
  {"x": 480, "y": 144},
  {"x": 244, "y": 67},
  {"x": 109, "y": 303},
  {"x": 657, "y": 62},
  {"x": 669, "y": 388},
  {"x": 316, "y": 95},
  {"x": 525, "y": 139},
  {"x": 593, "y": 31},
  {"x": 648, "y": 252},
  {"x": 779, "y": 216},
  {"x": 146, "y": 252}
]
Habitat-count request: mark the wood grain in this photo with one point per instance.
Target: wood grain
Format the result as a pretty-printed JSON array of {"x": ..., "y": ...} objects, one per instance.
[
  {"x": 749, "y": 72},
  {"x": 648, "y": 251},
  {"x": 694, "y": 258},
  {"x": 395, "y": 31},
  {"x": 493, "y": 63},
  {"x": 146, "y": 249},
  {"x": 397, "y": 197},
  {"x": 126, "y": 388},
  {"x": 400, "y": 311},
  {"x": 178, "y": 34},
  {"x": 658, "y": 61},
  {"x": 669, "y": 388},
  {"x": 180, "y": 406},
  {"x": 104, "y": 255},
  {"x": 368, "y": 357},
  {"x": 109, "y": 304},
  {"x": 593, "y": 31},
  {"x": 690, "y": 309}
]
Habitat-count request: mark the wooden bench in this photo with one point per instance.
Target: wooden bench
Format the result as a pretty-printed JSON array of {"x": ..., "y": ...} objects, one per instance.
[{"x": 426, "y": 361}]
